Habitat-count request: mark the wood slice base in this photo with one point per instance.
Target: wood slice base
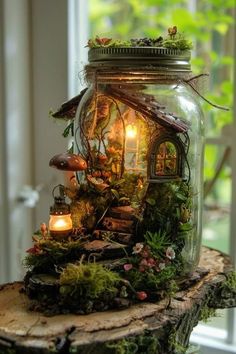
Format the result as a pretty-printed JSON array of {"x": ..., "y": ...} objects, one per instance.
[{"x": 23, "y": 331}]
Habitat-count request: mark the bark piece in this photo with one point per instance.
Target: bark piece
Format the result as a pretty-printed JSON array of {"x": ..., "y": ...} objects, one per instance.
[
  {"x": 123, "y": 238},
  {"x": 31, "y": 332},
  {"x": 113, "y": 224},
  {"x": 105, "y": 249},
  {"x": 122, "y": 212}
]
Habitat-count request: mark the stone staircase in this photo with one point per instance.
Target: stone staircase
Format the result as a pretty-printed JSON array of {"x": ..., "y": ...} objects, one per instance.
[{"x": 121, "y": 222}]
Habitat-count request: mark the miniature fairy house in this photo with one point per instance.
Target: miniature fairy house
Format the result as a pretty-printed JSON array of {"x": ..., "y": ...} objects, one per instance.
[
  {"x": 128, "y": 218},
  {"x": 128, "y": 142}
]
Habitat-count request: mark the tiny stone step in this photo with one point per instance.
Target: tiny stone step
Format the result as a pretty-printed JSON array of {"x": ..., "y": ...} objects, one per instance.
[
  {"x": 99, "y": 245},
  {"x": 38, "y": 284},
  {"x": 113, "y": 224},
  {"x": 124, "y": 238},
  {"x": 122, "y": 212},
  {"x": 106, "y": 250}
]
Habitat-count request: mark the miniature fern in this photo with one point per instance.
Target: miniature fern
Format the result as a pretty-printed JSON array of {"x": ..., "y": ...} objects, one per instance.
[{"x": 158, "y": 242}]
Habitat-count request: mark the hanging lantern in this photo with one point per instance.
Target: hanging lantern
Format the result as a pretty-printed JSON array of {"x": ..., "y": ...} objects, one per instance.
[
  {"x": 60, "y": 222},
  {"x": 131, "y": 131}
]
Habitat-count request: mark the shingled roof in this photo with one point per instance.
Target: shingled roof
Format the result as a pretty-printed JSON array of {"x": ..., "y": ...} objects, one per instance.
[
  {"x": 147, "y": 105},
  {"x": 68, "y": 108},
  {"x": 141, "y": 102}
]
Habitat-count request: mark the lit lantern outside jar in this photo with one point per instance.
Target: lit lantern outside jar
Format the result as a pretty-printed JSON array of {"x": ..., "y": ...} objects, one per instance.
[{"x": 60, "y": 222}]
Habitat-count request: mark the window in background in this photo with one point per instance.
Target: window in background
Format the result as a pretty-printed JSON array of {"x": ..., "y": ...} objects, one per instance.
[{"x": 210, "y": 24}]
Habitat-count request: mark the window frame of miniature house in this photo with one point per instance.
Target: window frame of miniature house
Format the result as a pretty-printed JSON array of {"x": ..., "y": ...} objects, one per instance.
[{"x": 163, "y": 138}]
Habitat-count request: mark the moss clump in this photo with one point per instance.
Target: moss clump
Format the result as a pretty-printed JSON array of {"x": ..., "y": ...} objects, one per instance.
[
  {"x": 179, "y": 42},
  {"x": 89, "y": 280},
  {"x": 48, "y": 253},
  {"x": 206, "y": 313},
  {"x": 230, "y": 282},
  {"x": 174, "y": 40},
  {"x": 146, "y": 343}
]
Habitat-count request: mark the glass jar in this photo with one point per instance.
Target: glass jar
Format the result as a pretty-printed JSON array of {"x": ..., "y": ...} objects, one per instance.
[{"x": 139, "y": 126}]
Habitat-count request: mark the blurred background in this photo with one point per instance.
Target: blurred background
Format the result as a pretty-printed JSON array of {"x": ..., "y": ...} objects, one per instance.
[{"x": 42, "y": 54}]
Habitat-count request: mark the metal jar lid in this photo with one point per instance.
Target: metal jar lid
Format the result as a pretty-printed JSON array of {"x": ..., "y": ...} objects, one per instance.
[{"x": 164, "y": 58}]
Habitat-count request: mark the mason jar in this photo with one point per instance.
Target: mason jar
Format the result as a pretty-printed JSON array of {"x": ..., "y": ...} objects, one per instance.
[{"x": 140, "y": 128}]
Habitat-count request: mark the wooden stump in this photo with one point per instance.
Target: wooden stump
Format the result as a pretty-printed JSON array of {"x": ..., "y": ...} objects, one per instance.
[{"x": 167, "y": 323}]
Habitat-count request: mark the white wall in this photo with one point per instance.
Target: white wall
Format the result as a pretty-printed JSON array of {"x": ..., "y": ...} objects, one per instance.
[
  {"x": 33, "y": 79},
  {"x": 49, "y": 63},
  {"x": 3, "y": 175},
  {"x": 16, "y": 154}
]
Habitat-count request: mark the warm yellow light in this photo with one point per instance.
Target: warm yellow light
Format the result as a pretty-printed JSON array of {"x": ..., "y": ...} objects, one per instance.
[
  {"x": 131, "y": 131},
  {"x": 60, "y": 223}
]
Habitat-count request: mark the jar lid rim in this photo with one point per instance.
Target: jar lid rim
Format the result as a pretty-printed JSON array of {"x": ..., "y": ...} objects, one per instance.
[{"x": 141, "y": 55}]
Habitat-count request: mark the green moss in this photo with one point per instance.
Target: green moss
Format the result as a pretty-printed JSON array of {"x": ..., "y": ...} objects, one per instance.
[
  {"x": 206, "y": 313},
  {"x": 90, "y": 280},
  {"x": 143, "y": 344},
  {"x": 172, "y": 288},
  {"x": 179, "y": 42},
  {"x": 124, "y": 346},
  {"x": 169, "y": 210},
  {"x": 128, "y": 189},
  {"x": 51, "y": 253},
  {"x": 176, "y": 41},
  {"x": 230, "y": 282},
  {"x": 174, "y": 344}
]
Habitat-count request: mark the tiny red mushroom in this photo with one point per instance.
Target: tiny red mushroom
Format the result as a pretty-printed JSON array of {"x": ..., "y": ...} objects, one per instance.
[
  {"x": 68, "y": 162},
  {"x": 111, "y": 150},
  {"x": 34, "y": 250},
  {"x": 141, "y": 295},
  {"x": 106, "y": 174},
  {"x": 102, "y": 158},
  {"x": 96, "y": 174}
]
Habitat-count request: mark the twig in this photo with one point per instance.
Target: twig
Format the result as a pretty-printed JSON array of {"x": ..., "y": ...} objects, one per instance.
[
  {"x": 205, "y": 99},
  {"x": 208, "y": 186}
]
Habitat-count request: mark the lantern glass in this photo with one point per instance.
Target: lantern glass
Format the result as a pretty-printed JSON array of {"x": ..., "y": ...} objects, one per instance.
[{"x": 60, "y": 223}]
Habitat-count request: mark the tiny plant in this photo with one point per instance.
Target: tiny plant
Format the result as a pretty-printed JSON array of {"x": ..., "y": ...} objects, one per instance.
[
  {"x": 174, "y": 40},
  {"x": 157, "y": 241}
]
